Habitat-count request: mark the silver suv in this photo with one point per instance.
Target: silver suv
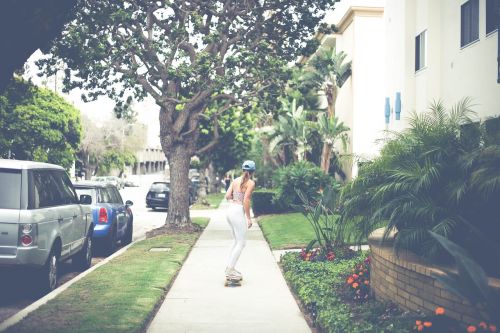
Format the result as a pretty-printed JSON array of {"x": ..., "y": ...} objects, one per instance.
[{"x": 42, "y": 221}]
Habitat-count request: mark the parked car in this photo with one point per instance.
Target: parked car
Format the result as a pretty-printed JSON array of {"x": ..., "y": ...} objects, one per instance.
[
  {"x": 42, "y": 221},
  {"x": 115, "y": 181},
  {"x": 159, "y": 195},
  {"x": 113, "y": 219}
]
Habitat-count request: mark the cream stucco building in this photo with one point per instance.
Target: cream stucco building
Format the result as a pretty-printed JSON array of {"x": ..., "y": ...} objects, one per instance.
[{"x": 407, "y": 53}]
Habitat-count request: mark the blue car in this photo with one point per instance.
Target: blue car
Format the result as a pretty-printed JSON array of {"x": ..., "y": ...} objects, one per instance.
[{"x": 113, "y": 219}]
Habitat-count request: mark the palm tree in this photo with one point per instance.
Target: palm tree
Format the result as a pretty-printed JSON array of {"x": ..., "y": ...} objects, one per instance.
[
  {"x": 290, "y": 133},
  {"x": 332, "y": 130},
  {"x": 329, "y": 72}
]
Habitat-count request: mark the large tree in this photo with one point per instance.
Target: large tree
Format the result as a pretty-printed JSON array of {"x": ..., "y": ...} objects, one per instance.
[
  {"x": 187, "y": 55},
  {"x": 37, "y": 124}
]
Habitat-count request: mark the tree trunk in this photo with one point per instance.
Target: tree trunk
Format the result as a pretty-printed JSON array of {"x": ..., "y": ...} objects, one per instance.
[
  {"x": 331, "y": 96},
  {"x": 325, "y": 157},
  {"x": 212, "y": 176},
  {"x": 178, "y": 207}
]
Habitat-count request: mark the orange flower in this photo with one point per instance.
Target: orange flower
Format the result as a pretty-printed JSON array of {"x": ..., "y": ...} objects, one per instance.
[
  {"x": 355, "y": 285},
  {"x": 420, "y": 328},
  {"x": 367, "y": 282},
  {"x": 355, "y": 276},
  {"x": 493, "y": 328},
  {"x": 483, "y": 325},
  {"x": 418, "y": 322},
  {"x": 427, "y": 324},
  {"x": 439, "y": 311},
  {"x": 350, "y": 280},
  {"x": 471, "y": 329}
]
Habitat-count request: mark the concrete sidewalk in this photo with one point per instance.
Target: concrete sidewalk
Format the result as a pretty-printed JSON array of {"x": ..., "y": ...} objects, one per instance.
[{"x": 199, "y": 302}]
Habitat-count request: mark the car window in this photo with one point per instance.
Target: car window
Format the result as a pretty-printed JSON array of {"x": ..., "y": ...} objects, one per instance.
[
  {"x": 68, "y": 194},
  {"x": 117, "y": 198},
  {"x": 159, "y": 187},
  {"x": 87, "y": 191},
  {"x": 105, "y": 196},
  {"x": 10, "y": 195},
  {"x": 46, "y": 191}
]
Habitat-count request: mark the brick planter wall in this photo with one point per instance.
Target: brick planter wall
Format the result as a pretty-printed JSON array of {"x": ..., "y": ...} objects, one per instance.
[{"x": 407, "y": 280}]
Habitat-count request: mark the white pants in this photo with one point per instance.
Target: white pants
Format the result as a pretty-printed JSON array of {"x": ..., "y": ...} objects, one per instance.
[{"x": 236, "y": 219}]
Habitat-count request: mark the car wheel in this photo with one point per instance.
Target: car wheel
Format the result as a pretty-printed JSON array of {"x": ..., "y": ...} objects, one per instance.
[
  {"x": 50, "y": 271},
  {"x": 153, "y": 208},
  {"x": 128, "y": 235},
  {"x": 83, "y": 259},
  {"x": 110, "y": 242}
]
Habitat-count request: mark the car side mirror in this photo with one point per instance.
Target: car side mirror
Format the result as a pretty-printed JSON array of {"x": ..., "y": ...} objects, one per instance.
[
  {"x": 129, "y": 203},
  {"x": 85, "y": 199}
]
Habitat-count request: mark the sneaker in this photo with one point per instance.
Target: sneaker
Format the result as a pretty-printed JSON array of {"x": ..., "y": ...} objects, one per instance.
[{"x": 233, "y": 274}]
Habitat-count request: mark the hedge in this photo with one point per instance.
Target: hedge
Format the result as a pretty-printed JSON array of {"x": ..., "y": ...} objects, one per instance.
[{"x": 263, "y": 203}]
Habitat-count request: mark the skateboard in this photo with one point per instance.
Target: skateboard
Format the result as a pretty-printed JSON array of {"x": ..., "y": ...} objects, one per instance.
[{"x": 233, "y": 282}]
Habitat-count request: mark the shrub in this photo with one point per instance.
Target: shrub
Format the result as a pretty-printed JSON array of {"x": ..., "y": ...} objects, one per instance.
[
  {"x": 304, "y": 177},
  {"x": 439, "y": 175},
  {"x": 320, "y": 287},
  {"x": 263, "y": 203}
]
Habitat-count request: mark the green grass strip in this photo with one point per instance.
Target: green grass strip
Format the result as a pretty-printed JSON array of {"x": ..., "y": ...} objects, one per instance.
[
  {"x": 119, "y": 296},
  {"x": 288, "y": 231},
  {"x": 214, "y": 199}
]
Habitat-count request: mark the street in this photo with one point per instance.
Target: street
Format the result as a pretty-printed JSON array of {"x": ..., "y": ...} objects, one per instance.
[{"x": 17, "y": 288}]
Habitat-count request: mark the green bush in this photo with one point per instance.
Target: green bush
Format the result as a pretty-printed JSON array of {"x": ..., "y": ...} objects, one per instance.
[
  {"x": 301, "y": 176},
  {"x": 320, "y": 287},
  {"x": 441, "y": 174},
  {"x": 263, "y": 203}
]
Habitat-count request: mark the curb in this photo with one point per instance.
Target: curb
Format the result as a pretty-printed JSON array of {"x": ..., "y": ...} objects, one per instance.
[{"x": 16, "y": 318}]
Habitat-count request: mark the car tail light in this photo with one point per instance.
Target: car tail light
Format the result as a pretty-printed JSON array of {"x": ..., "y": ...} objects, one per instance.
[
  {"x": 27, "y": 234},
  {"x": 103, "y": 215},
  {"x": 26, "y": 240}
]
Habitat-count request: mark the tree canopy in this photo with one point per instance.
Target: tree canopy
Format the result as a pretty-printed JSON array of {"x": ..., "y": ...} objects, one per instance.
[
  {"x": 188, "y": 56},
  {"x": 37, "y": 124}
]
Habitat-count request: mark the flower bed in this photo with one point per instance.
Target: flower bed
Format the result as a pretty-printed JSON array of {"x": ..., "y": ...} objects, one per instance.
[{"x": 332, "y": 304}]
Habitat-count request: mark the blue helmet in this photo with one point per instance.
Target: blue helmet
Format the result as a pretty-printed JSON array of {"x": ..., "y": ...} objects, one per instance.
[{"x": 248, "y": 166}]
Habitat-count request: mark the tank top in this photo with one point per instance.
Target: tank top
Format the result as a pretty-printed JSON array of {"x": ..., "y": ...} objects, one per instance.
[{"x": 238, "y": 196}]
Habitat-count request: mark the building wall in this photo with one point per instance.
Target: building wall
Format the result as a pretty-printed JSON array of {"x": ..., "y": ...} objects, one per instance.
[
  {"x": 451, "y": 72},
  {"x": 410, "y": 282},
  {"x": 361, "y": 37}
]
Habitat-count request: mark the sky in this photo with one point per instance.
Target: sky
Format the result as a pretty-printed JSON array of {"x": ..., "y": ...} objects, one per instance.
[{"x": 102, "y": 108}]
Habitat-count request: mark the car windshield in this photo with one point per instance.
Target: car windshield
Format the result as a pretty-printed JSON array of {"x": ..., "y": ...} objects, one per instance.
[
  {"x": 158, "y": 187},
  {"x": 10, "y": 196}
]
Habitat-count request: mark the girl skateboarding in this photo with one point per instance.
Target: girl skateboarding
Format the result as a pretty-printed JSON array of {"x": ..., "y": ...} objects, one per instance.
[{"x": 239, "y": 195}]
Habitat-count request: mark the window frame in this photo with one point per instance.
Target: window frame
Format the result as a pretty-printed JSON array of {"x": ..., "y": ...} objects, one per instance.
[
  {"x": 418, "y": 51},
  {"x": 474, "y": 6},
  {"x": 488, "y": 4}
]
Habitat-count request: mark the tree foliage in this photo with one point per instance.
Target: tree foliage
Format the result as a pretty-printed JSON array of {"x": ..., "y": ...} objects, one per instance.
[
  {"x": 110, "y": 145},
  {"x": 188, "y": 56},
  {"x": 37, "y": 124},
  {"x": 235, "y": 131}
]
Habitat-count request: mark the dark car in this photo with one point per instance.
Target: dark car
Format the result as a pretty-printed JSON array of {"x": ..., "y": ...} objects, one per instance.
[
  {"x": 159, "y": 195},
  {"x": 113, "y": 219}
]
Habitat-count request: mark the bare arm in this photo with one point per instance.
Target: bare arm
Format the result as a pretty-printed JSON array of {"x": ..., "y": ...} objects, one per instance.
[
  {"x": 229, "y": 193},
  {"x": 246, "y": 202}
]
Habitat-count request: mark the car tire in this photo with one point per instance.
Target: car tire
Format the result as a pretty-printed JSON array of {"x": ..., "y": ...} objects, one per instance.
[
  {"x": 83, "y": 259},
  {"x": 127, "y": 239},
  {"x": 153, "y": 207},
  {"x": 50, "y": 271},
  {"x": 110, "y": 241}
]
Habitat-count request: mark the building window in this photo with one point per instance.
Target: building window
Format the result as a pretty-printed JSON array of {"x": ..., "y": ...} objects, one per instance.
[
  {"x": 469, "y": 22},
  {"x": 420, "y": 50},
  {"x": 491, "y": 15}
]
